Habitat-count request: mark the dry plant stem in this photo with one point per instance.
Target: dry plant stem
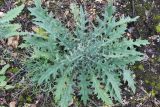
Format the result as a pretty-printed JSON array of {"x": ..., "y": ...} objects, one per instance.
[
  {"x": 133, "y": 7},
  {"x": 93, "y": 103},
  {"x": 15, "y": 74},
  {"x": 133, "y": 15}
]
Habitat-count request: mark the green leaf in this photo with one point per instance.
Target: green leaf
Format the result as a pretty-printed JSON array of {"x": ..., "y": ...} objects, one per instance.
[
  {"x": 2, "y": 78},
  {"x": 60, "y": 87},
  {"x": 114, "y": 81},
  {"x": 37, "y": 3},
  {"x": 50, "y": 71},
  {"x": 126, "y": 20},
  {"x": 75, "y": 11},
  {"x": 109, "y": 10},
  {"x": 101, "y": 93},
  {"x": 13, "y": 13},
  {"x": 63, "y": 91},
  {"x": 66, "y": 98},
  {"x": 127, "y": 76},
  {"x": 7, "y": 87},
  {"x": 4, "y": 69},
  {"x": 91, "y": 55},
  {"x": 84, "y": 90},
  {"x": 3, "y": 83}
]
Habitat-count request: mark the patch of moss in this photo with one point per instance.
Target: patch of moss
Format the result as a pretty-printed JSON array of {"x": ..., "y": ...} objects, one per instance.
[
  {"x": 141, "y": 67},
  {"x": 14, "y": 70},
  {"x": 156, "y": 17}
]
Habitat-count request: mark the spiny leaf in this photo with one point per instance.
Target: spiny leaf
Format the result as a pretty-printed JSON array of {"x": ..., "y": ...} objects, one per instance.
[
  {"x": 127, "y": 76},
  {"x": 7, "y": 30},
  {"x": 66, "y": 98},
  {"x": 114, "y": 81},
  {"x": 101, "y": 93},
  {"x": 84, "y": 90},
  {"x": 68, "y": 57},
  {"x": 63, "y": 91},
  {"x": 109, "y": 10},
  {"x": 4, "y": 69},
  {"x": 75, "y": 11},
  {"x": 13, "y": 13},
  {"x": 52, "y": 70}
]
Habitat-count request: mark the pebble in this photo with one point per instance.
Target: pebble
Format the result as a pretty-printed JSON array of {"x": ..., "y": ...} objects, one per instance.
[{"x": 1, "y": 14}]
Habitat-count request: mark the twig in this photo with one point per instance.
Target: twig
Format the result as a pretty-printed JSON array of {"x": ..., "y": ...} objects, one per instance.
[
  {"x": 94, "y": 103},
  {"x": 133, "y": 8},
  {"x": 14, "y": 75},
  {"x": 133, "y": 15}
]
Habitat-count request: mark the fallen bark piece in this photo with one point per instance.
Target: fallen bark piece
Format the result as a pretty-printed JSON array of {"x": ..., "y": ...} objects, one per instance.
[
  {"x": 13, "y": 41},
  {"x": 29, "y": 105},
  {"x": 12, "y": 104}
]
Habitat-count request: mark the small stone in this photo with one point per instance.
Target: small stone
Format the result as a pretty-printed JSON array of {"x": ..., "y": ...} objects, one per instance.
[
  {"x": 2, "y": 62},
  {"x": 1, "y": 14}
]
